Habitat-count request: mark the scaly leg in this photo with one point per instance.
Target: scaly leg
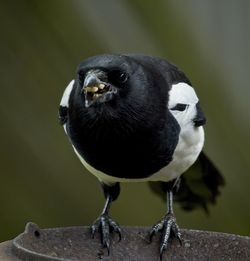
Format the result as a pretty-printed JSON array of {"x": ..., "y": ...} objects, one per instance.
[
  {"x": 104, "y": 224},
  {"x": 167, "y": 225}
]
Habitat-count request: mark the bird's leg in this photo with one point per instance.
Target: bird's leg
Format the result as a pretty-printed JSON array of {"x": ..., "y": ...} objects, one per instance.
[
  {"x": 167, "y": 225},
  {"x": 104, "y": 224}
]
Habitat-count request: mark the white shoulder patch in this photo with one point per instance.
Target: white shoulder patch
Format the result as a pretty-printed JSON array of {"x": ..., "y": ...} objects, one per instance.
[
  {"x": 65, "y": 98},
  {"x": 182, "y": 93}
]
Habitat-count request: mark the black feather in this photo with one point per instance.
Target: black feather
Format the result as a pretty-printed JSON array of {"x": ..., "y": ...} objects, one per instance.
[
  {"x": 199, "y": 119},
  {"x": 63, "y": 113}
]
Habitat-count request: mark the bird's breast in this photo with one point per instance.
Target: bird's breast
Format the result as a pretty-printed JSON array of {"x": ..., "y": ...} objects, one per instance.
[{"x": 116, "y": 155}]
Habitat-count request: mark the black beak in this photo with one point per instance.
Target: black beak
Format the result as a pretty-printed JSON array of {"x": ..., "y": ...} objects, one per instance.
[
  {"x": 92, "y": 79},
  {"x": 96, "y": 89}
]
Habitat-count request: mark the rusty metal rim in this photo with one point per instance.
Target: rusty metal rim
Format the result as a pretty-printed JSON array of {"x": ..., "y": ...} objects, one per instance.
[{"x": 23, "y": 253}]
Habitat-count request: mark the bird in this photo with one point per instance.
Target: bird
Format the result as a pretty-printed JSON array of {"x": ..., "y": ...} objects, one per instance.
[{"x": 137, "y": 118}]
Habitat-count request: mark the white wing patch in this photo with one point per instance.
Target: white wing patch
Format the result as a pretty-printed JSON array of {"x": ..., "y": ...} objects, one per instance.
[
  {"x": 185, "y": 94},
  {"x": 191, "y": 138},
  {"x": 65, "y": 98},
  {"x": 182, "y": 93}
]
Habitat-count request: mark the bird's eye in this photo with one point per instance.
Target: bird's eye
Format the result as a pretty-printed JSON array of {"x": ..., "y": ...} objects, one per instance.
[{"x": 117, "y": 77}]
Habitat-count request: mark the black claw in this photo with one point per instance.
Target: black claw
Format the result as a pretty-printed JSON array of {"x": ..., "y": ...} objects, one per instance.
[
  {"x": 151, "y": 235},
  {"x": 105, "y": 225},
  {"x": 180, "y": 240},
  {"x": 162, "y": 249},
  {"x": 107, "y": 245},
  {"x": 120, "y": 236},
  {"x": 178, "y": 236},
  {"x": 92, "y": 233},
  {"x": 118, "y": 231},
  {"x": 161, "y": 253},
  {"x": 93, "y": 229}
]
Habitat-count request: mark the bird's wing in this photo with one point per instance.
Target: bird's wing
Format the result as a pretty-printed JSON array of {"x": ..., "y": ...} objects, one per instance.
[
  {"x": 199, "y": 185},
  {"x": 183, "y": 101},
  {"x": 64, "y": 104}
]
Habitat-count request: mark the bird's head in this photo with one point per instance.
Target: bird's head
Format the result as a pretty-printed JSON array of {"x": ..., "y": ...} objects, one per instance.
[
  {"x": 102, "y": 79},
  {"x": 108, "y": 80},
  {"x": 119, "y": 87}
]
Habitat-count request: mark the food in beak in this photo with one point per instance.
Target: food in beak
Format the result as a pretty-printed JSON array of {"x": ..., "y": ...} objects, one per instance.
[
  {"x": 96, "y": 91},
  {"x": 92, "y": 93},
  {"x": 92, "y": 89}
]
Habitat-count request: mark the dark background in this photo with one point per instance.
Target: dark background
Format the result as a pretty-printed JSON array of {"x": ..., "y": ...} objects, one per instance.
[{"x": 41, "y": 44}]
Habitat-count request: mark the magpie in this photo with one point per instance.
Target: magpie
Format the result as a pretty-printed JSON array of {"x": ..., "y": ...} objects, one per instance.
[{"x": 137, "y": 118}]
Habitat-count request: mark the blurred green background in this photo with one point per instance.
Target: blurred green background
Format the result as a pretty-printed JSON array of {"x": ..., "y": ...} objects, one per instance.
[{"x": 41, "y": 44}]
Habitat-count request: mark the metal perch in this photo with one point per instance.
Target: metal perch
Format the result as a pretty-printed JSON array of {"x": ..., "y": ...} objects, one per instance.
[{"x": 75, "y": 243}]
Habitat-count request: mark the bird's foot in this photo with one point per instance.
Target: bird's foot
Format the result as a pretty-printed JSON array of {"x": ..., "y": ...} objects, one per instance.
[
  {"x": 169, "y": 228},
  {"x": 105, "y": 225}
]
